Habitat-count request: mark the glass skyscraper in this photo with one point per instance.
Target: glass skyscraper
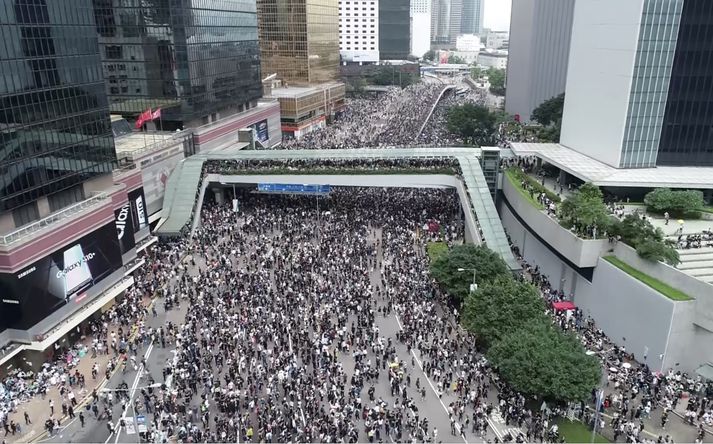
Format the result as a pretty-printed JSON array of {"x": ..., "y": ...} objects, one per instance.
[
  {"x": 191, "y": 58},
  {"x": 299, "y": 39},
  {"x": 687, "y": 130},
  {"x": 55, "y": 131},
  {"x": 394, "y": 29}
]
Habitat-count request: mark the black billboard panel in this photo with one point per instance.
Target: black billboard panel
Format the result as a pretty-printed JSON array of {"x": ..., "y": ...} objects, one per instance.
[
  {"x": 125, "y": 227},
  {"x": 35, "y": 292},
  {"x": 139, "y": 213}
]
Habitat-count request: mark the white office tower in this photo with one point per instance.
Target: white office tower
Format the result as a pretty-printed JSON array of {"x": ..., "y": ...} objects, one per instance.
[
  {"x": 358, "y": 39},
  {"x": 638, "y": 90},
  {"x": 420, "y": 27},
  {"x": 538, "y": 51}
]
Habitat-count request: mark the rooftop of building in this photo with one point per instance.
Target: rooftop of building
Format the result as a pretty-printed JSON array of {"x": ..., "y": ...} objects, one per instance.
[
  {"x": 601, "y": 174},
  {"x": 302, "y": 90},
  {"x": 138, "y": 142}
]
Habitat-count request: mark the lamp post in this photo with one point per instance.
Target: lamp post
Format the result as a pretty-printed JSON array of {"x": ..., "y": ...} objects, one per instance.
[
  {"x": 131, "y": 402},
  {"x": 473, "y": 286}
]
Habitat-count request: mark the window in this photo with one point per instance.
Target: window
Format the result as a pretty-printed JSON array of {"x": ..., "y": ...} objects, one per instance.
[
  {"x": 113, "y": 52},
  {"x": 65, "y": 198},
  {"x": 25, "y": 214}
]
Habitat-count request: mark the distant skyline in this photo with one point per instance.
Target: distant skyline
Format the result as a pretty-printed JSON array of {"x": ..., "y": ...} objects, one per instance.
[{"x": 497, "y": 14}]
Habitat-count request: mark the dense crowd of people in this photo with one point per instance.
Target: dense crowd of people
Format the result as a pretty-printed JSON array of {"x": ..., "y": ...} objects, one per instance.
[
  {"x": 436, "y": 132},
  {"x": 392, "y": 118}
]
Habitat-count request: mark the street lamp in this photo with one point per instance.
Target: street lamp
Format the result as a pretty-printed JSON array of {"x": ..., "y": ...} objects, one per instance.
[
  {"x": 473, "y": 286},
  {"x": 132, "y": 390}
]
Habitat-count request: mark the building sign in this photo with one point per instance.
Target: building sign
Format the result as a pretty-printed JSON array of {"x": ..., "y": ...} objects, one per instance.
[
  {"x": 139, "y": 212},
  {"x": 290, "y": 188},
  {"x": 261, "y": 130},
  {"x": 125, "y": 227},
  {"x": 62, "y": 277}
]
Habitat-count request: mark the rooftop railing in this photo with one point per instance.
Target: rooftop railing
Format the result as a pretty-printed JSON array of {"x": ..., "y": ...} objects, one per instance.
[{"x": 64, "y": 213}]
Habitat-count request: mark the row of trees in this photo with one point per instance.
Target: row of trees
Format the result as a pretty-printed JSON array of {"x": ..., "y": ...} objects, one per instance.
[
  {"x": 585, "y": 212},
  {"x": 508, "y": 318}
]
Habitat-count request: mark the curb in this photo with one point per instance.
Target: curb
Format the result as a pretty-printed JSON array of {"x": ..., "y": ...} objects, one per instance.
[{"x": 87, "y": 398}]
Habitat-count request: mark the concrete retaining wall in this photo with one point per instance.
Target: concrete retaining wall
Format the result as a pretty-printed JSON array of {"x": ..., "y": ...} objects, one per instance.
[
  {"x": 582, "y": 253},
  {"x": 659, "y": 331}
]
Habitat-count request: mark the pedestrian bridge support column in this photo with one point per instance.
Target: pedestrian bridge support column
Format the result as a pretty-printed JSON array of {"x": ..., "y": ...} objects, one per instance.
[{"x": 219, "y": 195}]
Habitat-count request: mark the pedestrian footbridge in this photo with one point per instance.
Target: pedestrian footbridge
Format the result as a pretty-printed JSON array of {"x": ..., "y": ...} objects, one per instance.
[{"x": 188, "y": 183}]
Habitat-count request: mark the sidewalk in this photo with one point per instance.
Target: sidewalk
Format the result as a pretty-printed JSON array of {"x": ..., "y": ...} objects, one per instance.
[{"x": 38, "y": 408}]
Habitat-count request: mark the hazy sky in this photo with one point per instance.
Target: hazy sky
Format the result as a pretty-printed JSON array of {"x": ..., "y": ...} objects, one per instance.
[{"x": 497, "y": 14}]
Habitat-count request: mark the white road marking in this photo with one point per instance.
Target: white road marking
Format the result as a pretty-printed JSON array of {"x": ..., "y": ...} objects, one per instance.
[{"x": 418, "y": 361}]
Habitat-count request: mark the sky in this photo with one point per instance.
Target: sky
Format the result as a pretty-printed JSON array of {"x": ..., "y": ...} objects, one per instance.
[{"x": 497, "y": 14}]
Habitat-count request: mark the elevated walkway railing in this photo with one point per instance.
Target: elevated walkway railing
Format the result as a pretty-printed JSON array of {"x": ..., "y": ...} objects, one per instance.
[{"x": 433, "y": 108}]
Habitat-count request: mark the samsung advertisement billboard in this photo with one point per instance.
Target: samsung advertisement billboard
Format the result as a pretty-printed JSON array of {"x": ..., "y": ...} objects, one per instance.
[{"x": 36, "y": 291}]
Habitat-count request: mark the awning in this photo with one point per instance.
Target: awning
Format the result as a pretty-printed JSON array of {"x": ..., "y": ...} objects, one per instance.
[
  {"x": 705, "y": 371},
  {"x": 564, "y": 305}
]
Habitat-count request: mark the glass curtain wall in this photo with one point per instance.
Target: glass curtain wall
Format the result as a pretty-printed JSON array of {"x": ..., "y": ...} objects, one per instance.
[{"x": 55, "y": 130}]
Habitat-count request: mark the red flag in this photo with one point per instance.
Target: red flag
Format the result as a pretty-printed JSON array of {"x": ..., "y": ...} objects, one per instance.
[
  {"x": 156, "y": 114},
  {"x": 143, "y": 117}
]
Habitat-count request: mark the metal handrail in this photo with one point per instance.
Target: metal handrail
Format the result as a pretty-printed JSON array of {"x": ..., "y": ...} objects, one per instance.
[
  {"x": 156, "y": 145},
  {"x": 29, "y": 229}
]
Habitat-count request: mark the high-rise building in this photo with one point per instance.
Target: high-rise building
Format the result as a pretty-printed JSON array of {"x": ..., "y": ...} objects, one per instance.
[
  {"x": 639, "y": 83},
  {"x": 166, "y": 54},
  {"x": 440, "y": 22},
  {"x": 55, "y": 131},
  {"x": 420, "y": 27},
  {"x": 454, "y": 22},
  {"x": 472, "y": 17},
  {"x": 359, "y": 31},
  {"x": 538, "y": 53},
  {"x": 299, "y": 39},
  {"x": 394, "y": 29}
]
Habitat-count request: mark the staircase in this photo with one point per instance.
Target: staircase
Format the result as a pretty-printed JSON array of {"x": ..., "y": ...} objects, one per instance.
[{"x": 697, "y": 262}]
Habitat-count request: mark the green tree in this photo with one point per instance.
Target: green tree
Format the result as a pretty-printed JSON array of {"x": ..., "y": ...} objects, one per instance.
[
  {"x": 496, "y": 77},
  {"x": 488, "y": 266},
  {"x": 430, "y": 55},
  {"x": 538, "y": 360},
  {"x": 678, "y": 203},
  {"x": 585, "y": 210},
  {"x": 649, "y": 241},
  {"x": 501, "y": 306},
  {"x": 456, "y": 60},
  {"x": 550, "y": 111},
  {"x": 474, "y": 123},
  {"x": 476, "y": 72},
  {"x": 550, "y": 133}
]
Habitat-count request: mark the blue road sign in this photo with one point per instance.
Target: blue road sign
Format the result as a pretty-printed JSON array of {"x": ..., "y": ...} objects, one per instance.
[{"x": 293, "y": 188}]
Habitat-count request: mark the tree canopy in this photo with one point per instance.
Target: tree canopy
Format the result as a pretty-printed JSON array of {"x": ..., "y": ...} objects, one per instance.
[
  {"x": 496, "y": 77},
  {"x": 487, "y": 263},
  {"x": 678, "y": 203},
  {"x": 549, "y": 115},
  {"x": 500, "y": 306},
  {"x": 456, "y": 60},
  {"x": 649, "y": 241},
  {"x": 474, "y": 123},
  {"x": 538, "y": 360},
  {"x": 585, "y": 210},
  {"x": 430, "y": 55},
  {"x": 549, "y": 111}
]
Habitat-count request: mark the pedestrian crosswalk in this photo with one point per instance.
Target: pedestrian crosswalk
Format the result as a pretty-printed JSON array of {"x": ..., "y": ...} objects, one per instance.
[{"x": 501, "y": 429}]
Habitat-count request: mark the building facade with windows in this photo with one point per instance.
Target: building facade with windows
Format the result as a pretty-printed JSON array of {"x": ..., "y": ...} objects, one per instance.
[
  {"x": 359, "y": 31},
  {"x": 420, "y": 27},
  {"x": 472, "y": 17},
  {"x": 299, "y": 39},
  {"x": 167, "y": 54},
  {"x": 538, "y": 53},
  {"x": 394, "y": 29},
  {"x": 639, "y": 83}
]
